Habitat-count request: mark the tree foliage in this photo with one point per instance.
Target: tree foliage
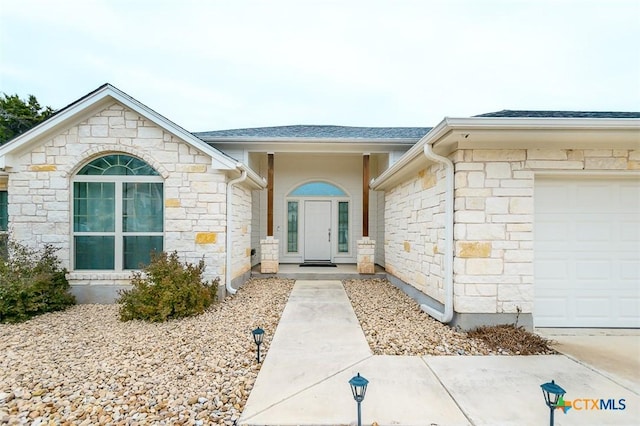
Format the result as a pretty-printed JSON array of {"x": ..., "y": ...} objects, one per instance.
[{"x": 17, "y": 115}]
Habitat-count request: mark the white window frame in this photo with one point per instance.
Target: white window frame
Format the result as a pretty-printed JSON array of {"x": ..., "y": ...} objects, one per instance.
[{"x": 118, "y": 234}]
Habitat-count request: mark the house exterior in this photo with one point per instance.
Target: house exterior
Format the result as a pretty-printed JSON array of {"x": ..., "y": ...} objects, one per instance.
[
  {"x": 107, "y": 180},
  {"x": 516, "y": 214}
]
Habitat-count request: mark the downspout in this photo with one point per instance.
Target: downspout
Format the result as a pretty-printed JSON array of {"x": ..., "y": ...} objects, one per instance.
[
  {"x": 447, "y": 315},
  {"x": 230, "y": 184}
]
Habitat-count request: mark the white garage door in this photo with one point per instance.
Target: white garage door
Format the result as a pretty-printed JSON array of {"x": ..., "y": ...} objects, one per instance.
[{"x": 587, "y": 252}]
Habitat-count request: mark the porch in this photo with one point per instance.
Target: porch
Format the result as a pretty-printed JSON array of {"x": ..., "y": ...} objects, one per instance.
[{"x": 341, "y": 271}]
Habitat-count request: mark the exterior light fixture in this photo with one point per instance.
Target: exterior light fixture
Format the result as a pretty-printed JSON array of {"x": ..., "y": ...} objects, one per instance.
[
  {"x": 258, "y": 335},
  {"x": 358, "y": 389},
  {"x": 552, "y": 393}
]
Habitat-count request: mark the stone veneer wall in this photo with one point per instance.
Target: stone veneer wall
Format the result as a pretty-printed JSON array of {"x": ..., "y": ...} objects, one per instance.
[
  {"x": 40, "y": 190},
  {"x": 493, "y": 231},
  {"x": 414, "y": 231},
  {"x": 241, "y": 234}
]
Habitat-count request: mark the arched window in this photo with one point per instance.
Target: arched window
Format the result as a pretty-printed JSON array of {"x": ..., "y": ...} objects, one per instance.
[
  {"x": 317, "y": 189},
  {"x": 118, "y": 215}
]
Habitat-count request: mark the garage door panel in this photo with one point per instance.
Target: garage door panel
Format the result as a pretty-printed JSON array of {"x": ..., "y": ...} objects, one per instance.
[
  {"x": 592, "y": 270},
  {"x": 552, "y": 270},
  {"x": 629, "y": 269},
  {"x": 590, "y": 231},
  {"x": 628, "y": 229},
  {"x": 553, "y": 309},
  {"x": 591, "y": 308},
  {"x": 594, "y": 198},
  {"x": 630, "y": 192},
  {"x": 587, "y": 252},
  {"x": 629, "y": 309},
  {"x": 554, "y": 230}
]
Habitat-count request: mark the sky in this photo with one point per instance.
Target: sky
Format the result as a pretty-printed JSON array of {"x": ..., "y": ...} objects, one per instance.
[{"x": 210, "y": 65}]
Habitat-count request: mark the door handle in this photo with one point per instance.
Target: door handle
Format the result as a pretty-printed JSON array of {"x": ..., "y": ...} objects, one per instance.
[{"x": 329, "y": 231}]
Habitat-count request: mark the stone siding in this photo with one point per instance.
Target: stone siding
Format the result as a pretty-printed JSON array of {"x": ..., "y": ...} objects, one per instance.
[
  {"x": 40, "y": 189},
  {"x": 269, "y": 253},
  {"x": 366, "y": 255},
  {"x": 493, "y": 231},
  {"x": 414, "y": 231},
  {"x": 241, "y": 232}
]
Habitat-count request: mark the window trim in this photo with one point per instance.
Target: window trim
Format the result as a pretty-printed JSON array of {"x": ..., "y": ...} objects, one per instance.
[
  {"x": 118, "y": 234},
  {"x": 297, "y": 230}
]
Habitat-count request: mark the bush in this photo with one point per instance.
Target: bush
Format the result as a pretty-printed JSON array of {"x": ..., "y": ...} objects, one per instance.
[
  {"x": 32, "y": 283},
  {"x": 167, "y": 289}
]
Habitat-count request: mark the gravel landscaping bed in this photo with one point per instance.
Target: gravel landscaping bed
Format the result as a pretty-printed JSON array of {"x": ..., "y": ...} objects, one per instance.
[
  {"x": 394, "y": 324},
  {"x": 84, "y": 366}
]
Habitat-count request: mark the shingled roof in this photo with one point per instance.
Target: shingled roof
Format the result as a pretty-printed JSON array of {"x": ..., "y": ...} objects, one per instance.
[
  {"x": 560, "y": 114},
  {"x": 318, "y": 132}
]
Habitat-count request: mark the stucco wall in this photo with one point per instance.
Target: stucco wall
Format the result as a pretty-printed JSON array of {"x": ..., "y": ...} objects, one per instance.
[
  {"x": 493, "y": 231},
  {"x": 291, "y": 170},
  {"x": 40, "y": 189}
]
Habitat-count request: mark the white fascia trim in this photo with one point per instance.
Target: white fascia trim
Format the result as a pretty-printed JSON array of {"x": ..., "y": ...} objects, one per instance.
[
  {"x": 540, "y": 123},
  {"x": 219, "y": 160},
  {"x": 416, "y": 151},
  {"x": 504, "y": 123}
]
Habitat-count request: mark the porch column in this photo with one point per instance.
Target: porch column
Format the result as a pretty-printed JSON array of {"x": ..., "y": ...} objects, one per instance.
[
  {"x": 269, "y": 247},
  {"x": 366, "y": 247},
  {"x": 365, "y": 195},
  {"x": 270, "y": 194}
]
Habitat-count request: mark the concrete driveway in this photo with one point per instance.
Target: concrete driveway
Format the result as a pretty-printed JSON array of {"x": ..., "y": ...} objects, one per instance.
[{"x": 615, "y": 353}]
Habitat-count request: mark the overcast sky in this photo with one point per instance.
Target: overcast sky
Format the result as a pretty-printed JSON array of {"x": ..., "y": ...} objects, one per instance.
[{"x": 209, "y": 65}]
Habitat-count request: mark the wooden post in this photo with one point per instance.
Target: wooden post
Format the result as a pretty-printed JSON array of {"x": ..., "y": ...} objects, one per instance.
[
  {"x": 270, "y": 194},
  {"x": 365, "y": 195}
]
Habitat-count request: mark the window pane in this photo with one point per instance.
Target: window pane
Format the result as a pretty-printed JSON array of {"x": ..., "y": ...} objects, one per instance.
[
  {"x": 142, "y": 207},
  {"x": 94, "y": 252},
  {"x": 117, "y": 164},
  {"x": 292, "y": 227},
  {"x": 322, "y": 189},
  {"x": 343, "y": 227},
  {"x": 94, "y": 207},
  {"x": 4, "y": 211},
  {"x": 138, "y": 249}
]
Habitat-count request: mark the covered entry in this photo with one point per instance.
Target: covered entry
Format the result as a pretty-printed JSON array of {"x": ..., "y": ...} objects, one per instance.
[{"x": 318, "y": 222}]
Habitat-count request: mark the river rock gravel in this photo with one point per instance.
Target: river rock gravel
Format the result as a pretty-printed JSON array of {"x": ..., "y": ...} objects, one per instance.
[
  {"x": 394, "y": 324},
  {"x": 83, "y": 366}
]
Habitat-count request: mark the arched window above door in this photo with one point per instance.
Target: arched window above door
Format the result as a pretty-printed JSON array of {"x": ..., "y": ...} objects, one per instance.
[{"x": 317, "y": 189}]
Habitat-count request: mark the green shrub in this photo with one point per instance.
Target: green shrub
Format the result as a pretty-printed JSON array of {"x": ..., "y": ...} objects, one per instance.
[
  {"x": 32, "y": 283},
  {"x": 167, "y": 289}
]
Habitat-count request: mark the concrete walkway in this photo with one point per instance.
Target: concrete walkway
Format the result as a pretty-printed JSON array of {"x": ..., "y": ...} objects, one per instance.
[{"x": 319, "y": 345}]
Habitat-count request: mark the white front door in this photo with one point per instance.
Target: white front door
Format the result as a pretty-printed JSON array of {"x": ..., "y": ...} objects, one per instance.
[{"x": 317, "y": 230}]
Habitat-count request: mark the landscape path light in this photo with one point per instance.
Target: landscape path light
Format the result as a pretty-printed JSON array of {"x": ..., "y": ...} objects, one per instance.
[
  {"x": 258, "y": 335},
  {"x": 552, "y": 393},
  {"x": 358, "y": 389}
]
